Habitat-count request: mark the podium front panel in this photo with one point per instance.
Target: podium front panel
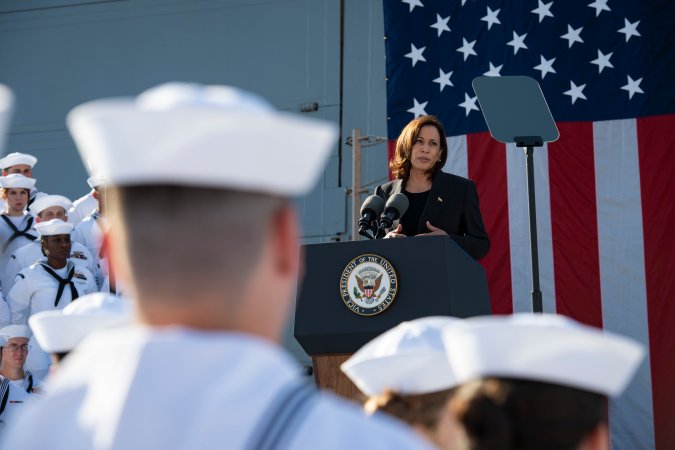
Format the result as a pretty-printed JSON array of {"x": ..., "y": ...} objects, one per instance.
[{"x": 434, "y": 277}]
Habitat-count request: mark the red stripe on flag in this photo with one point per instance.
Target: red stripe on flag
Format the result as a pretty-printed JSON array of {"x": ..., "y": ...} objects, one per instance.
[
  {"x": 656, "y": 144},
  {"x": 574, "y": 223},
  {"x": 487, "y": 168}
]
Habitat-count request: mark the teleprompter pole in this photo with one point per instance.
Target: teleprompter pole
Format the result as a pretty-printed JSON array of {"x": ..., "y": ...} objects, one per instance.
[
  {"x": 528, "y": 126},
  {"x": 537, "y": 306}
]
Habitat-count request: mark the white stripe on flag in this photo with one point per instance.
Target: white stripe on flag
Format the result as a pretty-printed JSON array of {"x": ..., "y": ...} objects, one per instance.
[
  {"x": 519, "y": 229},
  {"x": 458, "y": 161},
  {"x": 622, "y": 270}
]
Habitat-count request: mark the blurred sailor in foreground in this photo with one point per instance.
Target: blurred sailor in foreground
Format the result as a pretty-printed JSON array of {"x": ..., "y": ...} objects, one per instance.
[
  {"x": 404, "y": 373},
  {"x": 536, "y": 381},
  {"x": 58, "y": 332},
  {"x": 6, "y": 105},
  {"x": 16, "y": 384},
  {"x": 176, "y": 154}
]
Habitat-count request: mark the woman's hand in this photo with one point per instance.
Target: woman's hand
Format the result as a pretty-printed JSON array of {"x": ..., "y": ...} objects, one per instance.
[
  {"x": 397, "y": 233},
  {"x": 434, "y": 231}
]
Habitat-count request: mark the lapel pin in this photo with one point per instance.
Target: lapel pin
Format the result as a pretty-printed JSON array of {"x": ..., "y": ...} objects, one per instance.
[{"x": 440, "y": 200}]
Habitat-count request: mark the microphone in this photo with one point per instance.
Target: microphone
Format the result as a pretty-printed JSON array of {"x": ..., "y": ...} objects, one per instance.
[
  {"x": 396, "y": 206},
  {"x": 370, "y": 211}
]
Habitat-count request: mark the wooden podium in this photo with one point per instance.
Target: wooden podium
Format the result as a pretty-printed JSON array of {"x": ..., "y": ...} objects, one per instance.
[{"x": 432, "y": 276}]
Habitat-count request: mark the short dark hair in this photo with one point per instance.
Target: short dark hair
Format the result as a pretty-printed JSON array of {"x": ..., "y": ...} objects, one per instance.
[{"x": 178, "y": 238}]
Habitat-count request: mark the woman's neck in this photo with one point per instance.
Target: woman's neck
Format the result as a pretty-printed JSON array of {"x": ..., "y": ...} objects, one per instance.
[
  {"x": 418, "y": 181},
  {"x": 14, "y": 212},
  {"x": 56, "y": 263}
]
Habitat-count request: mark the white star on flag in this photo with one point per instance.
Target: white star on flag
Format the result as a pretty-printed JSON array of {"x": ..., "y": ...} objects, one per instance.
[
  {"x": 418, "y": 108},
  {"x": 633, "y": 87},
  {"x": 543, "y": 10},
  {"x": 630, "y": 29},
  {"x": 416, "y": 54},
  {"x": 469, "y": 104},
  {"x": 572, "y": 35},
  {"x": 545, "y": 66},
  {"x": 467, "y": 48},
  {"x": 413, "y": 3},
  {"x": 441, "y": 24},
  {"x": 602, "y": 61},
  {"x": 494, "y": 71},
  {"x": 491, "y": 17},
  {"x": 517, "y": 42},
  {"x": 443, "y": 79},
  {"x": 576, "y": 92},
  {"x": 599, "y": 5}
]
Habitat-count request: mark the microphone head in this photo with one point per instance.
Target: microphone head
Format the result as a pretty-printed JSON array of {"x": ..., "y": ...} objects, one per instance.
[
  {"x": 374, "y": 203},
  {"x": 399, "y": 203}
]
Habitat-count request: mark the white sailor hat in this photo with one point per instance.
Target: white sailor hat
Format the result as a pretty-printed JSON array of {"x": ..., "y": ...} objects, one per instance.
[
  {"x": 546, "y": 348},
  {"x": 62, "y": 330},
  {"x": 6, "y": 103},
  {"x": 96, "y": 180},
  {"x": 16, "y": 158},
  {"x": 194, "y": 135},
  {"x": 14, "y": 331},
  {"x": 47, "y": 201},
  {"x": 16, "y": 181},
  {"x": 408, "y": 359},
  {"x": 54, "y": 227}
]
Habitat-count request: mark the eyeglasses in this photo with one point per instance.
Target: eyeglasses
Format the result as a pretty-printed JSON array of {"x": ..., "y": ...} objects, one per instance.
[{"x": 15, "y": 348}]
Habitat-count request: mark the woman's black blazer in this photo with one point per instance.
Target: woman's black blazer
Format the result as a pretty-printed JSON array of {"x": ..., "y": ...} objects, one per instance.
[{"x": 452, "y": 205}]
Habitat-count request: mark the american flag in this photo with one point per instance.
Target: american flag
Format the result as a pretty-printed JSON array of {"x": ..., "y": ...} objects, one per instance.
[{"x": 605, "y": 208}]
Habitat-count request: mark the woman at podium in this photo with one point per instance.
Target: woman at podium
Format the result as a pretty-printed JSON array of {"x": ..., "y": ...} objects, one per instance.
[{"x": 439, "y": 203}]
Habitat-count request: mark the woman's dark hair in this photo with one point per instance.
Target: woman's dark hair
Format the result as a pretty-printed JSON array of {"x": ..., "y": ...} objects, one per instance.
[
  {"x": 421, "y": 409},
  {"x": 400, "y": 165},
  {"x": 508, "y": 414}
]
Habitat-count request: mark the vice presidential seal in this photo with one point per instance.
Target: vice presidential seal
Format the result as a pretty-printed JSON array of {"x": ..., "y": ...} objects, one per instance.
[{"x": 368, "y": 285}]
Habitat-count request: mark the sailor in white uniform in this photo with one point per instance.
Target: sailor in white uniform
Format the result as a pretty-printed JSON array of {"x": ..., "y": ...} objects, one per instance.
[
  {"x": 405, "y": 373},
  {"x": 51, "y": 283},
  {"x": 16, "y": 225},
  {"x": 209, "y": 330},
  {"x": 85, "y": 205},
  {"x": 536, "y": 381},
  {"x": 54, "y": 281},
  {"x": 90, "y": 231},
  {"x": 17, "y": 386},
  {"x": 22, "y": 164},
  {"x": 45, "y": 208},
  {"x": 59, "y": 331}
]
